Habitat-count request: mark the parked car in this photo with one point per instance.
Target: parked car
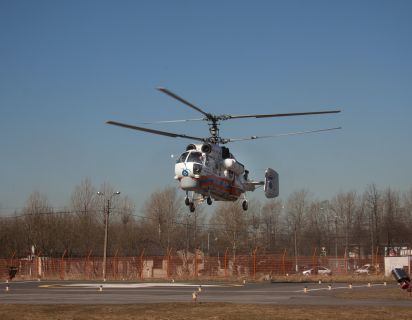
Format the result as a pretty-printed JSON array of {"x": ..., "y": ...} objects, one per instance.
[
  {"x": 317, "y": 270},
  {"x": 366, "y": 269}
]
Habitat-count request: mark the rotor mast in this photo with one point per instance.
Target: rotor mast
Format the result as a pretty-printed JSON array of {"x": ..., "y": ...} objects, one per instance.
[{"x": 214, "y": 130}]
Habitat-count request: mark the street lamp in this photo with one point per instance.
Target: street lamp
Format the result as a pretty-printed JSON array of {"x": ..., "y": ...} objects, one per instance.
[
  {"x": 106, "y": 229},
  {"x": 296, "y": 252}
]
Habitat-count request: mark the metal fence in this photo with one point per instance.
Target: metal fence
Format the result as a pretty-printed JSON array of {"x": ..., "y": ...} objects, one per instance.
[{"x": 178, "y": 266}]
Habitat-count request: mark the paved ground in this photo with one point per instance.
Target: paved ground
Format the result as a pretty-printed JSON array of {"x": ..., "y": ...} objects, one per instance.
[{"x": 71, "y": 292}]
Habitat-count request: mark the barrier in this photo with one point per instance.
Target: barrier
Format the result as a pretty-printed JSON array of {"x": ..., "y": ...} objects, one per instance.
[{"x": 179, "y": 266}]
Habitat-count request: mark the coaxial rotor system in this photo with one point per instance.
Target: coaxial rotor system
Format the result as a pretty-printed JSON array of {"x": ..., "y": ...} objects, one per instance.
[{"x": 214, "y": 122}]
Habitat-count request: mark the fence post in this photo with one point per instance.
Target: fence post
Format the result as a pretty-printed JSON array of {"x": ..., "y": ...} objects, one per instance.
[
  {"x": 12, "y": 258},
  {"x": 226, "y": 262},
  {"x": 274, "y": 264},
  {"x": 254, "y": 263},
  {"x": 376, "y": 259},
  {"x": 37, "y": 266},
  {"x": 195, "y": 263},
  {"x": 88, "y": 267},
  {"x": 11, "y": 264},
  {"x": 62, "y": 266},
  {"x": 346, "y": 261},
  {"x": 141, "y": 264},
  {"x": 376, "y": 254},
  {"x": 169, "y": 250},
  {"x": 115, "y": 262},
  {"x": 314, "y": 257}
]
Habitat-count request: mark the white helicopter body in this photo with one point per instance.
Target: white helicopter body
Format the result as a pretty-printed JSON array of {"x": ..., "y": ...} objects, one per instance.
[
  {"x": 208, "y": 170},
  {"x": 212, "y": 172}
]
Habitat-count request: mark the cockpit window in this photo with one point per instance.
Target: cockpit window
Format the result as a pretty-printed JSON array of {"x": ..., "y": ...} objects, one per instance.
[
  {"x": 195, "y": 157},
  {"x": 182, "y": 158}
]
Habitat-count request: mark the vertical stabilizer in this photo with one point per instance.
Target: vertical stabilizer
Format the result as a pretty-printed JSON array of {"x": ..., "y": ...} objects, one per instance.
[{"x": 271, "y": 183}]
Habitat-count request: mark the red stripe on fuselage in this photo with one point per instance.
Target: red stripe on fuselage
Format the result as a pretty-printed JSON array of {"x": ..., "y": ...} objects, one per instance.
[{"x": 220, "y": 184}]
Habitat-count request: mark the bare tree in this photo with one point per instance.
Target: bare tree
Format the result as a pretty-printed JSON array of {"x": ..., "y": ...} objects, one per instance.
[
  {"x": 393, "y": 222},
  {"x": 13, "y": 241},
  {"x": 271, "y": 220},
  {"x": 84, "y": 203},
  {"x": 162, "y": 211},
  {"x": 254, "y": 221},
  {"x": 231, "y": 225},
  {"x": 407, "y": 205},
  {"x": 343, "y": 206},
  {"x": 316, "y": 226},
  {"x": 124, "y": 228},
  {"x": 296, "y": 208},
  {"x": 37, "y": 218},
  {"x": 372, "y": 198}
]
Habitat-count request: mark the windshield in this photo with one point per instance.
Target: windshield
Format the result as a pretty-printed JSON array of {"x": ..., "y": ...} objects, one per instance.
[
  {"x": 182, "y": 158},
  {"x": 195, "y": 157}
]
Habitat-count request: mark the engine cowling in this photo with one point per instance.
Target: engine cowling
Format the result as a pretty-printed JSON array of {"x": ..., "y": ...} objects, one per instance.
[
  {"x": 234, "y": 166},
  {"x": 271, "y": 185},
  {"x": 206, "y": 148},
  {"x": 191, "y": 147}
]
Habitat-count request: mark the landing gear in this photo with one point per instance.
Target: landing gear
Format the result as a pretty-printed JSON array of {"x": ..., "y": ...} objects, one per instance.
[
  {"x": 245, "y": 205},
  {"x": 189, "y": 202},
  {"x": 209, "y": 200}
]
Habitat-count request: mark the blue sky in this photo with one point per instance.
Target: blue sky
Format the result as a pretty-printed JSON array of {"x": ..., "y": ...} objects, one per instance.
[{"x": 68, "y": 66}]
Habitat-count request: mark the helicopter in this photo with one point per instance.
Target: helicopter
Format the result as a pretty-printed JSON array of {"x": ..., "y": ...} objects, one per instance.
[{"x": 208, "y": 171}]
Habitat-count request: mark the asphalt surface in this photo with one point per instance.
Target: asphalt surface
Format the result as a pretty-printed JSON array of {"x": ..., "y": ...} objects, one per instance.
[{"x": 78, "y": 292}]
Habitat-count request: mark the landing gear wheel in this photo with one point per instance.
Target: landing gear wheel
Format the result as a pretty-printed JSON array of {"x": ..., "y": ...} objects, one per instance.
[
  {"x": 245, "y": 205},
  {"x": 209, "y": 200},
  {"x": 192, "y": 207},
  {"x": 187, "y": 201}
]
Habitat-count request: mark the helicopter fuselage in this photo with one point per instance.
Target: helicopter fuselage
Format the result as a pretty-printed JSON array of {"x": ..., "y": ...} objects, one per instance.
[{"x": 212, "y": 171}]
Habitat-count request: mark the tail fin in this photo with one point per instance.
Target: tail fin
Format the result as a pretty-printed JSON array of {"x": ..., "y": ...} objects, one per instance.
[{"x": 271, "y": 186}]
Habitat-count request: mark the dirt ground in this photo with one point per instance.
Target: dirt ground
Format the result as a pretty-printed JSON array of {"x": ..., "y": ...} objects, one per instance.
[
  {"x": 215, "y": 311},
  {"x": 384, "y": 293}
]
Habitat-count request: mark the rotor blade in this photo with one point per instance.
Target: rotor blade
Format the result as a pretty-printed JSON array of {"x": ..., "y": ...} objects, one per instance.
[
  {"x": 162, "y": 133},
  {"x": 279, "y": 114},
  {"x": 280, "y": 135},
  {"x": 191, "y": 105},
  {"x": 173, "y": 121}
]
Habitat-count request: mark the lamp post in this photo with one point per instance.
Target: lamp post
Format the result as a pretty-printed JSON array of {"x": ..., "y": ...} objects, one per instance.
[
  {"x": 106, "y": 229},
  {"x": 296, "y": 252},
  {"x": 336, "y": 238}
]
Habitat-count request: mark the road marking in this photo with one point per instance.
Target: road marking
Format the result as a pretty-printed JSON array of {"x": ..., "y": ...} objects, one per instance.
[
  {"x": 345, "y": 287},
  {"x": 135, "y": 285}
]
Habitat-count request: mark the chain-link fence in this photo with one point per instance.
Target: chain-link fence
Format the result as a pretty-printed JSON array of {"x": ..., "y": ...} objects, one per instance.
[{"x": 179, "y": 266}]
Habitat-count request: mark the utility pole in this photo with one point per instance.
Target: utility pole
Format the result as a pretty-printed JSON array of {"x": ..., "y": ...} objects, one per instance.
[
  {"x": 208, "y": 243},
  {"x": 336, "y": 241},
  {"x": 106, "y": 234},
  {"x": 296, "y": 252},
  {"x": 106, "y": 231}
]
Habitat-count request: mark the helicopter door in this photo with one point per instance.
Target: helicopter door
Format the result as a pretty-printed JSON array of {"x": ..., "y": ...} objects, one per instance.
[{"x": 271, "y": 183}]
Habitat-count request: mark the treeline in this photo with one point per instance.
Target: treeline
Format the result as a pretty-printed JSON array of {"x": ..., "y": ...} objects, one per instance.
[{"x": 349, "y": 223}]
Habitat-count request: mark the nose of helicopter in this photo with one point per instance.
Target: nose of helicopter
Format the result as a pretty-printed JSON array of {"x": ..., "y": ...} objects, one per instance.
[
  {"x": 188, "y": 169},
  {"x": 188, "y": 183}
]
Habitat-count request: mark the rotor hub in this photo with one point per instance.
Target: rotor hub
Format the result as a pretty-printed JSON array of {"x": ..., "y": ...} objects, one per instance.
[{"x": 214, "y": 132}]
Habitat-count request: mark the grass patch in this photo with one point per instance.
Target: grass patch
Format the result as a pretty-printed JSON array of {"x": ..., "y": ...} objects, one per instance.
[
  {"x": 383, "y": 293},
  {"x": 211, "y": 311},
  {"x": 350, "y": 278}
]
